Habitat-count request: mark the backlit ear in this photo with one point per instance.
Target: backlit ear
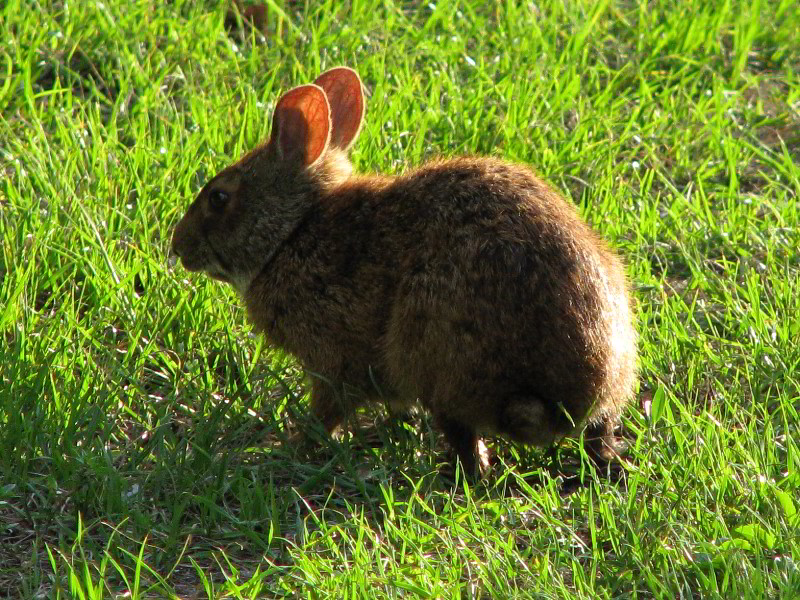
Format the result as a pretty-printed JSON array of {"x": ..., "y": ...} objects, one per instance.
[
  {"x": 301, "y": 126},
  {"x": 342, "y": 86}
]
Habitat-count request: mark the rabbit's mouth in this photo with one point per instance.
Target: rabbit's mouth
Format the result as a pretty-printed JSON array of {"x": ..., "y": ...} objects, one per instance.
[
  {"x": 197, "y": 262},
  {"x": 194, "y": 265},
  {"x": 211, "y": 270}
]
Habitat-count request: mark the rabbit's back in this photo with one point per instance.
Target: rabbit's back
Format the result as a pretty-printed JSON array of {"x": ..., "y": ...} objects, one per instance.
[
  {"x": 506, "y": 292},
  {"x": 463, "y": 283}
]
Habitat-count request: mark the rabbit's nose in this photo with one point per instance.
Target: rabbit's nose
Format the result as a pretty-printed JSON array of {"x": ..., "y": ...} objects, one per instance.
[
  {"x": 177, "y": 246},
  {"x": 172, "y": 252},
  {"x": 176, "y": 249}
]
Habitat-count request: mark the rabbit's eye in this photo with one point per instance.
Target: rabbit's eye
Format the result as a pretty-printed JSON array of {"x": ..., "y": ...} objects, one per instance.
[{"x": 217, "y": 200}]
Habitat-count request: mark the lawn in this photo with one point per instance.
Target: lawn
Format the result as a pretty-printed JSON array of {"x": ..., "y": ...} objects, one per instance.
[{"x": 143, "y": 426}]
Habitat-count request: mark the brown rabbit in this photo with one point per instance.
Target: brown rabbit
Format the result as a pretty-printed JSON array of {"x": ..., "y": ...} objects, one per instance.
[{"x": 468, "y": 284}]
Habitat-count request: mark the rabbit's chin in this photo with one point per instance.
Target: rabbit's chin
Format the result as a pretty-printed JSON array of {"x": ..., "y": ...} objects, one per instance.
[
  {"x": 219, "y": 276},
  {"x": 240, "y": 281}
]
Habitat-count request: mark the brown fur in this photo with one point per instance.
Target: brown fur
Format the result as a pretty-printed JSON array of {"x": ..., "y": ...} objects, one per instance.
[{"x": 468, "y": 284}]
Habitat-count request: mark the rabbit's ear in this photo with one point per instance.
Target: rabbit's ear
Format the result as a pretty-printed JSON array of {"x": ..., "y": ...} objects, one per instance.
[
  {"x": 301, "y": 126},
  {"x": 342, "y": 86}
]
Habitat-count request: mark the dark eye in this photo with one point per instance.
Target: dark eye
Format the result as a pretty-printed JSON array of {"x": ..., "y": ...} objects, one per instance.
[{"x": 217, "y": 199}]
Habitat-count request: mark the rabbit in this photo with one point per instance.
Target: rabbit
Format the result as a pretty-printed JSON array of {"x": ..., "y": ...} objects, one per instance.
[{"x": 466, "y": 284}]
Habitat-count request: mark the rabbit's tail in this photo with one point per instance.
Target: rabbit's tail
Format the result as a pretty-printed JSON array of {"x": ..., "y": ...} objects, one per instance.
[{"x": 531, "y": 420}]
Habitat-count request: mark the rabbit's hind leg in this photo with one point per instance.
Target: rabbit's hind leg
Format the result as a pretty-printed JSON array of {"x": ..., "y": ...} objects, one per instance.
[
  {"x": 600, "y": 441},
  {"x": 464, "y": 440}
]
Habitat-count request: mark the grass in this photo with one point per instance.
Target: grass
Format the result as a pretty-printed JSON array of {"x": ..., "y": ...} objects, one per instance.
[{"x": 142, "y": 424}]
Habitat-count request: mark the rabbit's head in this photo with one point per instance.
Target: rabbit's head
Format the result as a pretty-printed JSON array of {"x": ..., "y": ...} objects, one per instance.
[{"x": 242, "y": 216}]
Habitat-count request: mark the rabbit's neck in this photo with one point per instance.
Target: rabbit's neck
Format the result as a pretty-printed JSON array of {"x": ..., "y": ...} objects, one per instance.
[{"x": 249, "y": 280}]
